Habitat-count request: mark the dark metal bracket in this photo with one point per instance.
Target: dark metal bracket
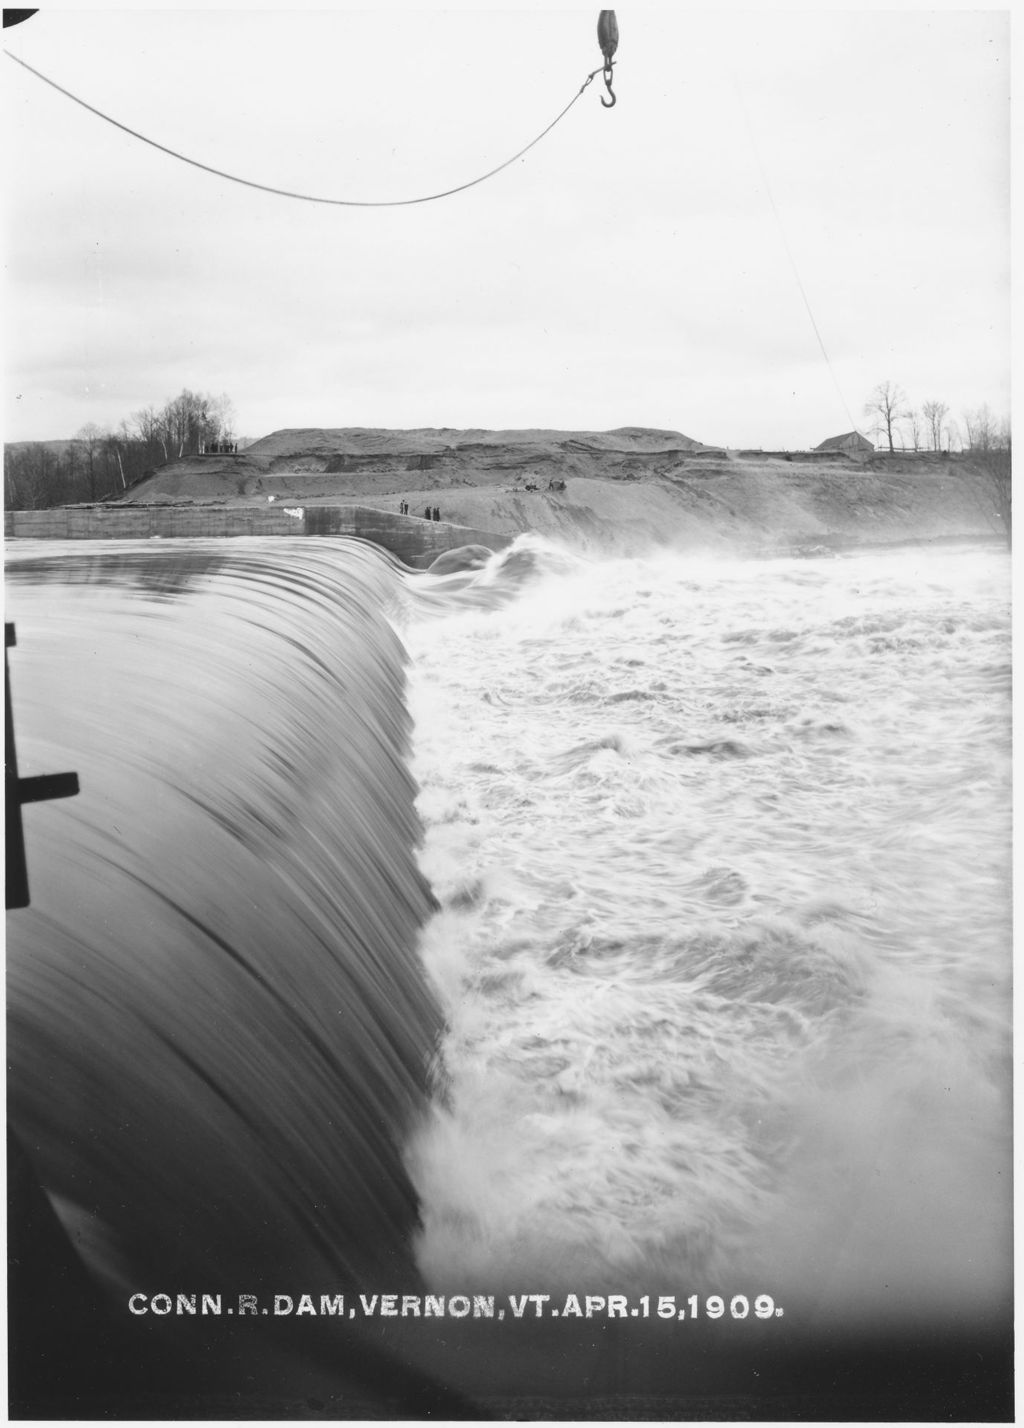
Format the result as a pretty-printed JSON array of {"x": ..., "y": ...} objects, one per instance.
[{"x": 17, "y": 791}]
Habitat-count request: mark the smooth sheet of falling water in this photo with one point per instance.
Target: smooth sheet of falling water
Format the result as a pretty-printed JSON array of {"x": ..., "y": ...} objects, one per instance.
[{"x": 218, "y": 1025}]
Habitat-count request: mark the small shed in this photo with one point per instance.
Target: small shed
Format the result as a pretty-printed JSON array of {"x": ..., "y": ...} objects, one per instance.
[{"x": 851, "y": 442}]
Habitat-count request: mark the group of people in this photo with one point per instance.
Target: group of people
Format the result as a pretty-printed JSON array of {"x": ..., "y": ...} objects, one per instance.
[
  {"x": 430, "y": 513},
  {"x": 219, "y": 448}
]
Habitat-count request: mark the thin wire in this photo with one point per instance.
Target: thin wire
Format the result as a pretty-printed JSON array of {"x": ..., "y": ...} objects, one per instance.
[
  {"x": 287, "y": 193},
  {"x": 789, "y": 255}
]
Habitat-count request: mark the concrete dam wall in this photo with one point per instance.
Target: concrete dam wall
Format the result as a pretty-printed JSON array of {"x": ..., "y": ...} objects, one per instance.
[{"x": 411, "y": 538}]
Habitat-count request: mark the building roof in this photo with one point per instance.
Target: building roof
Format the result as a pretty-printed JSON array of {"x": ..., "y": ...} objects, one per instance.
[{"x": 848, "y": 438}]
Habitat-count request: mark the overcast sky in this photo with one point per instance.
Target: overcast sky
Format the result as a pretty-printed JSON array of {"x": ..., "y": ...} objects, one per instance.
[{"x": 641, "y": 266}]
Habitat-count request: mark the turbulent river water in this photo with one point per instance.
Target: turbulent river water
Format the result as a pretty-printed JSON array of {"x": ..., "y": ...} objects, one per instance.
[
  {"x": 724, "y": 853},
  {"x": 687, "y": 972}
]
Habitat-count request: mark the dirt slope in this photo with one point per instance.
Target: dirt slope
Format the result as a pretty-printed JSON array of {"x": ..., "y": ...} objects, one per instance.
[{"x": 623, "y": 490}]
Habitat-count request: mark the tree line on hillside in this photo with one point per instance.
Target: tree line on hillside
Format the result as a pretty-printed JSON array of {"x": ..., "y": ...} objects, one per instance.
[
  {"x": 98, "y": 463},
  {"x": 981, "y": 437}
]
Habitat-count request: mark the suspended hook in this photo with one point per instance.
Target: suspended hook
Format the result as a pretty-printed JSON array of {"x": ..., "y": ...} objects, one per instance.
[{"x": 608, "y": 39}]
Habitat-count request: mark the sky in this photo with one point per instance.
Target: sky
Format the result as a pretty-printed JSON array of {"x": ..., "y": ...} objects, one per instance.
[{"x": 782, "y": 210}]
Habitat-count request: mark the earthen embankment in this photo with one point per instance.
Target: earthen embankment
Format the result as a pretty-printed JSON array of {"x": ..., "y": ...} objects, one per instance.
[{"x": 620, "y": 492}]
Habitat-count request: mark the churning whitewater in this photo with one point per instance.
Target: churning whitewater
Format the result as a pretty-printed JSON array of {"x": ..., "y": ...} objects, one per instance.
[
  {"x": 723, "y": 853},
  {"x": 701, "y": 983}
]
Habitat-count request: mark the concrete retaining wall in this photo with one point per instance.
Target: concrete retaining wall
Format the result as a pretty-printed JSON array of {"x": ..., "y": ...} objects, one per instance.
[{"x": 413, "y": 539}]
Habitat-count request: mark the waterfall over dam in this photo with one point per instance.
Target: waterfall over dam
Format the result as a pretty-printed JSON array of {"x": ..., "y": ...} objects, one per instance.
[
  {"x": 218, "y": 1030},
  {"x": 538, "y": 988}
]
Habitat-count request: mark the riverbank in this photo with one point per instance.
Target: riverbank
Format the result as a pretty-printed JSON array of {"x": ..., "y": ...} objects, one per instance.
[{"x": 621, "y": 491}]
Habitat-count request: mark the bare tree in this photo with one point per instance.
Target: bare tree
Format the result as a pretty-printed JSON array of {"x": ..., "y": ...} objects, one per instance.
[
  {"x": 177, "y": 421},
  {"x": 17, "y": 490},
  {"x": 112, "y": 453},
  {"x": 222, "y": 417},
  {"x": 91, "y": 437},
  {"x": 982, "y": 428},
  {"x": 913, "y": 420},
  {"x": 151, "y": 431},
  {"x": 935, "y": 414},
  {"x": 886, "y": 404},
  {"x": 194, "y": 419}
]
